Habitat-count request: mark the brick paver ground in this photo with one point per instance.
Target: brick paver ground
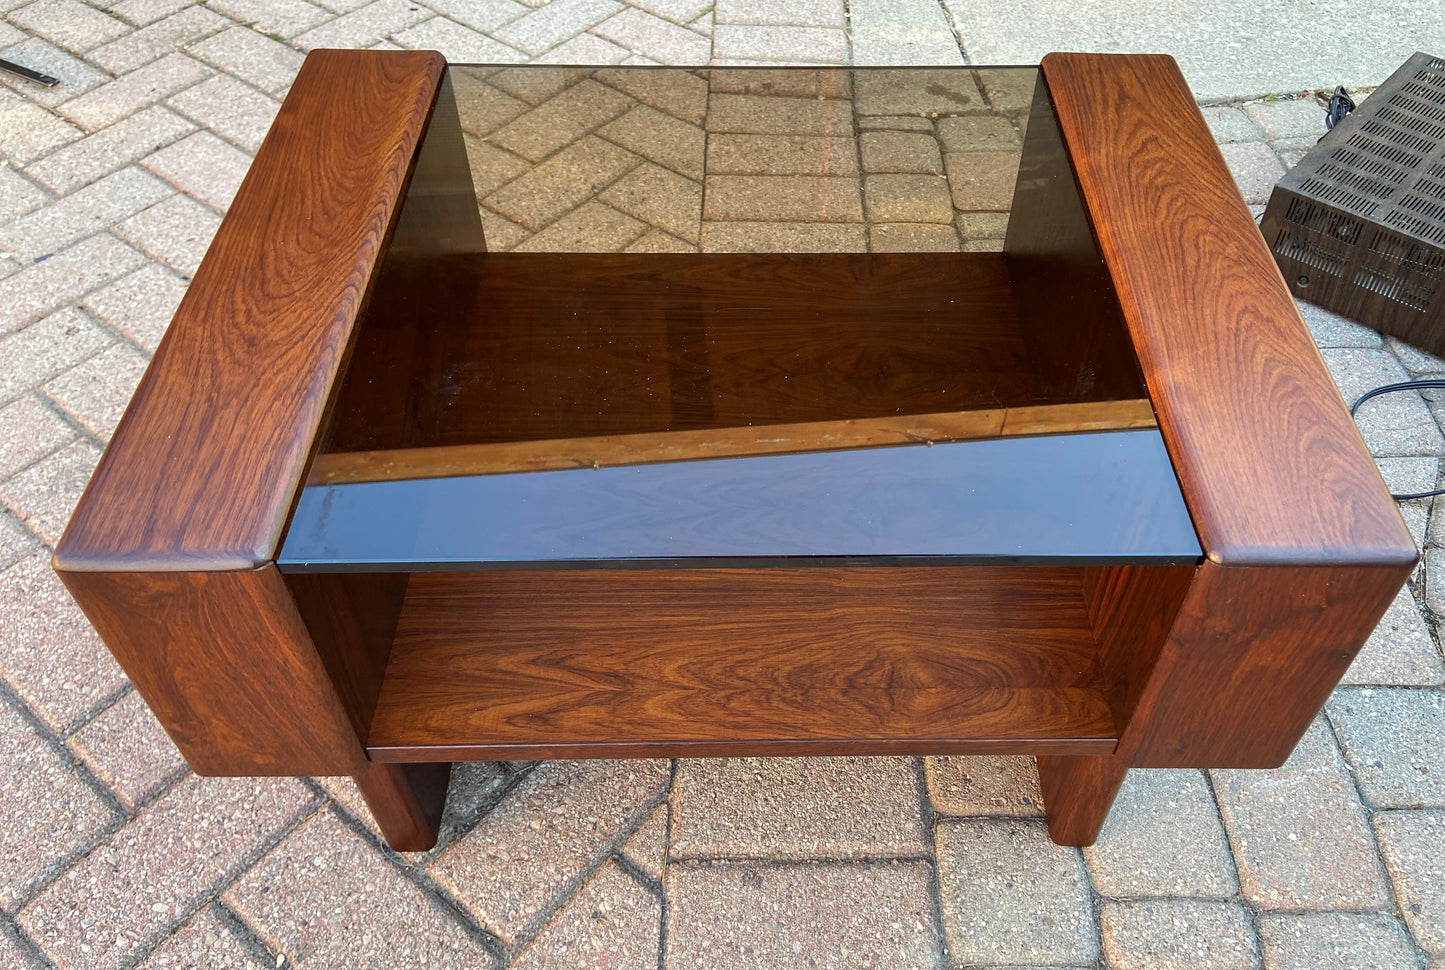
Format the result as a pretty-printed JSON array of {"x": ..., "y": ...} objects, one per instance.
[{"x": 113, "y": 855}]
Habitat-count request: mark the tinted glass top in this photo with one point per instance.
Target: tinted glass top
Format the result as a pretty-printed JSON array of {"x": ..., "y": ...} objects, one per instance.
[
  {"x": 732, "y": 160},
  {"x": 666, "y": 268}
]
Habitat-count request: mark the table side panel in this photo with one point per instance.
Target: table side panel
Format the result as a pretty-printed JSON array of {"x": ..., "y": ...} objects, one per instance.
[
  {"x": 204, "y": 468},
  {"x": 1271, "y": 466},
  {"x": 1251, "y": 659},
  {"x": 227, "y": 665},
  {"x": 1304, "y": 548}
]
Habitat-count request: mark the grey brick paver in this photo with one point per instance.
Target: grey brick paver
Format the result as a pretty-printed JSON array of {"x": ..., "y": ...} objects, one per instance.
[
  {"x": 145, "y": 45},
  {"x": 796, "y": 808},
  {"x": 612, "y": 922},
  {"x": 1299, "y": 834},
  {"x": 661, "y": 138},
  {"x": 142, "y": 12},
  {"x": 203, "y": 166},
  {"x": 1178, "y": 934},
  {"x": 803, "y": 13},
  {"x": 28, "y": 131},
  {"x": 912, "y": 237},
  {"x": 230, "y": 108},
  {"x": 128, "y": 749},
  {"x": 73, "y": 25},
  {"x": 648, "y": 849},
  {"x": 142, "y": 87},
  {"x": 95, "y": 393},
  {"x": 76, "y": 74},
  {"x": 1395, "y": 742},
  {"x": 48, "y": 813},
  {"x": 278, "y": 18},
  {"x": 206, "y": 941},
  {"x": 549, "y": 25},
  {"x": 1255, "y": 169},
  {"x": 365, "y": 25},
  {"x": 1394, "y": 424},
  {"x": 483, "y": 15},
  {"x": 784, "y": 237},
  {"x": 139, "y": 305},
  {"x": 129, "y": 891},
  {"x": 1400, "y": 652},
  {"x": 457, "y": 42},
  {"x": 908, "y": 198},
  {"x": 665, "y": 42},
  {"x": 83, "y": 213},
  {"x": 808, "y": 45},
  {"x": 94, "y": 156},
  {"x": 543, "y": 837},
  {"x": 1335, "y": 941},
  {"x": 659, "y": 197},
  {"x": 561, "y": 120},
  {"x": 44, "y": 495},
  {"x": 44, "y": 349},
  {"x": 176, "y": 231},
  {"x": 29, "y": 431},
  {"x": 324, "y": 899},
  {"x": 18, "y": 195},
  {"x": 993, "y": 785},
  {"x": 821, "y": 915},
  {"x": 784, "y": 198},
  {"x": 46, "y": 285},
  {"x": 1011, "y": 897},
  {"x": 1163, "y": 837},
  {"x": 591, "y": 227},
  {"x": 250, "y": 56},
  {"x": 50, "y": 654},
  {"x": 1413, "y": 847}
]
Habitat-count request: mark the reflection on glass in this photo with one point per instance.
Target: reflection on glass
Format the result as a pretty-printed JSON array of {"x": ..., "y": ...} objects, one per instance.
[{"x": 740, "y": 296}]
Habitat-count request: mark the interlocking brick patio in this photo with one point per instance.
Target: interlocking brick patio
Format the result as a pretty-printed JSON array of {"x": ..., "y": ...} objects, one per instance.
[{"x": 113, "y": 855}]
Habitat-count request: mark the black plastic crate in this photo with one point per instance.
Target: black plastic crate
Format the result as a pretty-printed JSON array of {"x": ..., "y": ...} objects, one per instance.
[{"x": 1358, "y": 226}]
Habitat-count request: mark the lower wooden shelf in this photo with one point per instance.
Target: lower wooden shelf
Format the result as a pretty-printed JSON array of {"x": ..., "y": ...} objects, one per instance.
[{"x": 609, "y": 663}]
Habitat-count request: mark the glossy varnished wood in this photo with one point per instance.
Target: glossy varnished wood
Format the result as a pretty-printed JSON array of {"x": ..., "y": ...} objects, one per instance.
[
  {"x": 600, "y": 451},
  {"x": 1251, "y": 658},
  {"x": 1304, "y": 548},
  {"x": 1131, "y": 610},
  {"x": 604, "y": 664},
  {"x": 407, "y": 801},
  {"x": 490, "y": 348},
  {"x": 1078, "y": 792},
  {"x": 227, "y": 665},
  {"x": 1268, "y": 459},
  {"x": 204, "y": 467},
  {"x": 170, "y": 549}
]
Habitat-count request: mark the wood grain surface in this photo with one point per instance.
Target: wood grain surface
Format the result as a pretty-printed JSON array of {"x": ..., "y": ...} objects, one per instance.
[
  {"x": 602, "y": 663},
  {"x": 407, "y": 801},
  {"x": 227, "y": 665},
  {"x": 1271, "y": 466},
  {"x": 1078, "y": 792},
  {"x": 1304, "y": 547},
  {"x": 1251, "y": 658},
  {"x": 341, "y": 467},
  {"x": 205, "y": 466}
]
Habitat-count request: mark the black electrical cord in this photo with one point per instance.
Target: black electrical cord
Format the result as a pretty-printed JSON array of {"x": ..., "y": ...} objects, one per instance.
[
  {"x": 1421, "y": 385},
  {"x": 1341, "y": 104}
]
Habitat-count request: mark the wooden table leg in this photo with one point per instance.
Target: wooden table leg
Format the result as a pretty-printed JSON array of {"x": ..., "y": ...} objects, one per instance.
[
  {"x": 407, "y": 801},
  {"x": 1078, "y": 792}
]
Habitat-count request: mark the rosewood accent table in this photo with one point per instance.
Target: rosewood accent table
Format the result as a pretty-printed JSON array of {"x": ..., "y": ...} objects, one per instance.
[{"x": 390, "y": 497}]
